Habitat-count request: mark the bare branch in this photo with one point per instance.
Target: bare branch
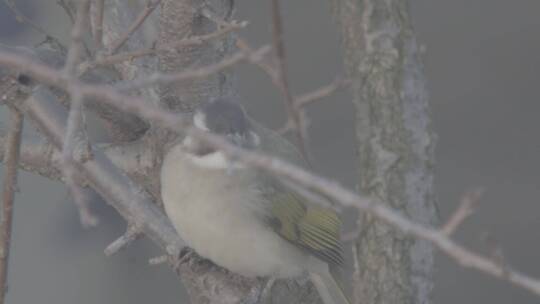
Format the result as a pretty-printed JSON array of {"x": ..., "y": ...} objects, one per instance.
[
  {"x": 171, "y": 47},
  {"x": 468, "y": 203},
  {"x": 295, "y": 115},
  {"x": 81, "y": 198},
  {"x": 197, "y": 73},
  {"x": 98, "y": 7},
  {"x": 150, "y": 7},
  {"x": 263, "y": 65},
  {"x": 75, "y": 126},
  {"x": 307, "y": 98},
  {"x": 322, "y": 92},
  {"x": 132, "y": 234},
  {"x": 25, "y": 20},
  {"x": 50, "y": 76},
  {"x": 67, "y": 8},
  {"x": 8, "y": 195},
  {"x": 76, "y": 47},
  {"x": 132, "y": 203},
  {"x": 38, "y": 158},
  {"x": 121, "y": 126},
  {"x": 127, "y": 103}
]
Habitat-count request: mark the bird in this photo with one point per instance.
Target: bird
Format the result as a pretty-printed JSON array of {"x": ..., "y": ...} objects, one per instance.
[{"x": 242, "y": 218}]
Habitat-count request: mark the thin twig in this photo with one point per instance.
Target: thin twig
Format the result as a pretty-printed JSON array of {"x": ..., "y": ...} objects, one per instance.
[
  {"x": 10, "y": 185},
  {"x": 25, "y": 20},
  {"x": 37, "y": 157},
  {"x": 296, "y": 118},
  {"x": 196, "y": 73},
  {"x": 76, "y": 46},
  {"x": 99, "y": 9},
  {"x": 295, "y": 114},
  {"x": 171, "y": 47},
  {"x": 307, "y": 98},
  {"x": 150, "y": 7},
  {"x": 132, "y": 234},
  {"x": 75, "y": 122},
  {"x": 45, "y": 110},
  {"x": 468, "y": 203},
  {"x": 47, "y": 75},
  {"x": 356, "y": 270},
  {"x": 262, "y": 64},
  {"x": 322, "y": 92},
  {"x": 80, "y": 197},
  {"x": 74, "y": 127},
  {"x": 68, "y": 9}
]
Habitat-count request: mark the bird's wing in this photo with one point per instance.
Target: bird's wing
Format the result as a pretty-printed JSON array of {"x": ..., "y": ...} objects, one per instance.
[{"x": 314, "y": 229}]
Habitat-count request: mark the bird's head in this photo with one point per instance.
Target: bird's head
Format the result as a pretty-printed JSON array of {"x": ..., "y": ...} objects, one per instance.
[{"x": 225, "y": 118}]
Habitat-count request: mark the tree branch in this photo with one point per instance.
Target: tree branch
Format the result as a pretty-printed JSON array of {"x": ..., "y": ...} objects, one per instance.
[
  {"x": 114, "y": 186},
  {"x": 296, "y": 117},
  {"x": 120, "y": 125},
  {"x": 150, "y": 7},
  {"x": 169, "y": 47},
  {"x": 42, "y": 107},
  {"x": 25, "y": 20},
  {"x": 8, "y": 195},
  {"x": 132, "y": 234},
  {"x": 76, "y": 134},
  {"x": 37, "y": 158},
  {"x": 307, "y": 98},
  {"x": 465, "y": 209},
  {"x": 97, "y": 11}
]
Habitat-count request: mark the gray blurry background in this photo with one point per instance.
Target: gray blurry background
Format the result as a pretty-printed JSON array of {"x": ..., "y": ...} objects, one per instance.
[{"x": 482, "y": 65}]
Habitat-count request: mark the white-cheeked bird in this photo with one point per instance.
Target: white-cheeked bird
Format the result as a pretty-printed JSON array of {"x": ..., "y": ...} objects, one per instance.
[{"x": 242, "y": 218}]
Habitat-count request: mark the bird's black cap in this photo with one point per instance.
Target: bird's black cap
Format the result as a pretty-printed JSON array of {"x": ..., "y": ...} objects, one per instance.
[{"x": 225, "y": 117}]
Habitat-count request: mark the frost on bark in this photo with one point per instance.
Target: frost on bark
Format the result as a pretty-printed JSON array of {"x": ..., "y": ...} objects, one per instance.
[{"x": 395, "y": 148}]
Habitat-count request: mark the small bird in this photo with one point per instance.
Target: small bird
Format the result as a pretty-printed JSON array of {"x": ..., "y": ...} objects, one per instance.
[{"x": 242, "y": 218}]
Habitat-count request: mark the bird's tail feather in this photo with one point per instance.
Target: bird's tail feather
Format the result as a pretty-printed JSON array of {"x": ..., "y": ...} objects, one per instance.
[{"x": 329, "y": 290}]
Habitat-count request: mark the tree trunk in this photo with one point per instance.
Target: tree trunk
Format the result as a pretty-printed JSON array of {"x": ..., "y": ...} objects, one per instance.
[{"x": 395, "y": 148}]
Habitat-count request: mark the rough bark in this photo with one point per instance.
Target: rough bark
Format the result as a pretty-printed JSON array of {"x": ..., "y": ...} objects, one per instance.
[
  {"x": 395, "y": 148},
  {"x": 181, "y": 19}
]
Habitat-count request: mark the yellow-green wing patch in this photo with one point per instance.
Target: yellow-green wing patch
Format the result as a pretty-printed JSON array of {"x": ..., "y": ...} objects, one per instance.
[{"x": 315, "y": 230}]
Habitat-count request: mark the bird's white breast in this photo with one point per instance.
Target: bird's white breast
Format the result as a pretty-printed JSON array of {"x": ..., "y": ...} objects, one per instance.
[{"x": 214, "y": 212}]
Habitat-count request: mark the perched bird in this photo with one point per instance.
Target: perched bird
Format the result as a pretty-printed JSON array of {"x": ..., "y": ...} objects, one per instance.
[{"x": 242, "y": 218}]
